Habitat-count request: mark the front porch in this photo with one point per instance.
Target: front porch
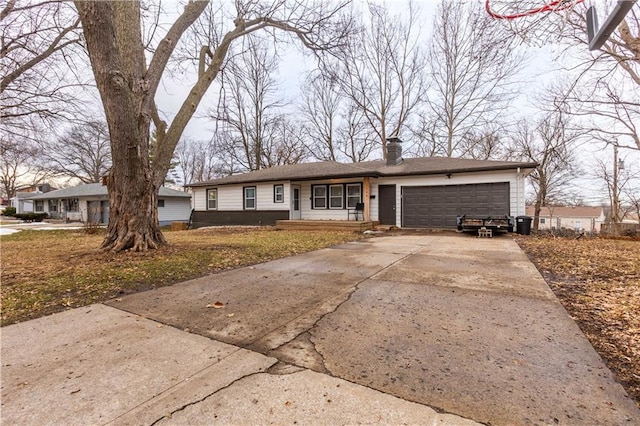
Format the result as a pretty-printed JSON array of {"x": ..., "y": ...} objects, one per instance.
[{"x": 326, "y": 225}]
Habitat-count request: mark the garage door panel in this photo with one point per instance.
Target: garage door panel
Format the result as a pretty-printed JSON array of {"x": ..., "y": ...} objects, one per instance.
[{"x": 438, "y": 206}]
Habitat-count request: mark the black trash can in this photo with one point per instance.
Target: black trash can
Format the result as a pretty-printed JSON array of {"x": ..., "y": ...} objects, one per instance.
[{"x": 523, "y": 225}]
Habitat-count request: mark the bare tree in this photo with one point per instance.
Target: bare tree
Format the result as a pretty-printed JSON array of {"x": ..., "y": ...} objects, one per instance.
[
  {"x": 473, "y": 67},
  {"x": 336, "y": 128},
  {"x": 357, "y": 139},
  {"x": 380, "y": 71},
  {"x": 620, "y": 52},
  {"x": 19, "y": 165},
  {"x": 604, "y": 85},
  {"x": 484, "y": 144},
  {"x": 82, "y": 152},
  {"x": 550, "y": 144},
  {"x": 321, "y": 106},
  {"x": 39, "y": 42},
  {"x": 250, "y": 108},
  {"x": 128, "y": 83},
  {"x": 633, "y": 195},
  {"x": 285, "y": 144},
  {"x": 618, "y": 180},
  {"x": 608, "y": 108},
  {"x": 197, "y": 161}
]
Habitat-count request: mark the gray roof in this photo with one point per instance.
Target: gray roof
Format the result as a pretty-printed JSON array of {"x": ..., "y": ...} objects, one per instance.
[
  {"x": 95, "y": 190},
  {"x": 377, "y": 168}
]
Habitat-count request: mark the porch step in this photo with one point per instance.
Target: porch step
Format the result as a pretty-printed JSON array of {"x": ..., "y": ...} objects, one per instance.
[{"x": 325, "y": 225}]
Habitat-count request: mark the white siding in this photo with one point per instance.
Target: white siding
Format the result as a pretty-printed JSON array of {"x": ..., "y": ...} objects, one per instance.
[
  {"x": 231, "y": 197},
  {"x": 175, "y": 210},
  {"x": 199, "y": 198},
  {"x": 322, "y": 214},
  {"x": 82, "y": 215},
  {"x": 516, "y": 187},
  {"x": 587, "y": 224},
  {"x": 265, "y": 196}
]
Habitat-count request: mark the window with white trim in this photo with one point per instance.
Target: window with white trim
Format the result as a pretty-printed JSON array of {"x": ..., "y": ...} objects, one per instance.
[
  {"x": 354, "y": 195},
  {"x": 249, "y": 197},
  {"x": 336, "y": 196},
  {"x": 319, "y": 198},
  {"x": 212, "y": 199},
  {"x": 160, "y": 203},
  {"x": 278, "y": 193}
]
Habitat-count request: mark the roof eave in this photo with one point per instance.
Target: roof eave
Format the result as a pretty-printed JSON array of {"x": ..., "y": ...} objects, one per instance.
[
  {"x": 368, "y": 173},
  {"x": 288, "y": 178},
  {"x": 527, "y": 166}
]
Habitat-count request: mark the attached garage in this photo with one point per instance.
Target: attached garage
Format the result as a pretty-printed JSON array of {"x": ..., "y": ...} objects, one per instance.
[
  {"x": 438, "y": 206},
  {"x": 423, "y": 192}
]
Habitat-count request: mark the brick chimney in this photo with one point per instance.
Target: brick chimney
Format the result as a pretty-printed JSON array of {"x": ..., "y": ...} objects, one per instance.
[{"x": 394, "y": 151}]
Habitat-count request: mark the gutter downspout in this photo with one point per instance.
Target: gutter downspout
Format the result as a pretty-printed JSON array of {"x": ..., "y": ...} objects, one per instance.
[{"x": 518, "y": 192}]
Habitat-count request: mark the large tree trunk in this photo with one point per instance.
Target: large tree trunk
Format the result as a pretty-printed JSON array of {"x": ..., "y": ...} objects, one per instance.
[
  {"x": 134, "y": 216},
  {"x": 127, "y": 88},
  {"x": 120, "y": 77}
]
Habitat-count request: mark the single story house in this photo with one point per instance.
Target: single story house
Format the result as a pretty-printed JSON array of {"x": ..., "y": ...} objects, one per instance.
[
  {"x": 22, "y": 202},
  {"x": 90, "y": 203},
  {"x": 412, "y": 192},
  {"x": 579, "y": 218},
  {"x": 22, "y": 199}
]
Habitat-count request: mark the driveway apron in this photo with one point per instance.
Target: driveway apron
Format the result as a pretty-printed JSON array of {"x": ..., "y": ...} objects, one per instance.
[{"x": 465, "y": 325}]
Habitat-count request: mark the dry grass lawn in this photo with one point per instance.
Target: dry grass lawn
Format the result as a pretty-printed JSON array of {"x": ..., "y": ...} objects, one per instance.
[
  {"x": 598, "y": 282},
  {"x": 49, "y": 271}
]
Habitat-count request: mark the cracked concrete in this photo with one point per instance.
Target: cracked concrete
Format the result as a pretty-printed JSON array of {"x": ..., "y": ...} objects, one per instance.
[
  {"x": 98, "y": 364},
  {"x": 377, "y": 331},
  {"x": 307, "y": 397},
  {"x": 302, "y": 352}
]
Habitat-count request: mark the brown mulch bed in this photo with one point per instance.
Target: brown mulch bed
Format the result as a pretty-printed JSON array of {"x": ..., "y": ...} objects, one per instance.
[{"x": 597, "y": 280}]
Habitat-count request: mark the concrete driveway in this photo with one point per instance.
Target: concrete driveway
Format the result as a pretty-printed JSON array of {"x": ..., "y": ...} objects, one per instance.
[{"x": 441, "y": 329}]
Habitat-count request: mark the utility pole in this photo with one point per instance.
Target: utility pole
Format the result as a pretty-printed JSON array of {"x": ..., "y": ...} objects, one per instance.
[{"x": 615, "y": 202}]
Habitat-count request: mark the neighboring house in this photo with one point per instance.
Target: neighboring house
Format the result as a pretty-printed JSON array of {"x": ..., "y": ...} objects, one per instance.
[
  {"x": 22, "y": 200},
  {"x": 40, "y": 188},
  {"x": 90, "y": 203},
  {"x": 412, "y": 192},
  {"x": 579, "y": 218}
]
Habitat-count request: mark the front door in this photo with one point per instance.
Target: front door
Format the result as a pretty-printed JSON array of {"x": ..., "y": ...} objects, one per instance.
[
  {"x": 387, "y": 204},
  {"x": 295, "y": 202}
]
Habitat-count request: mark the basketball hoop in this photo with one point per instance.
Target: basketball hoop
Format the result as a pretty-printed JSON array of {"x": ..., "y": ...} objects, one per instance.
[
  {"x": 520, "y": 9},
  {"x": 524, "y": 16}
]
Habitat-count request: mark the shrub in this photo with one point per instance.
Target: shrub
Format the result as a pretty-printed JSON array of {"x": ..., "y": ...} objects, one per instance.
[
  {"x": 9, "y": 211},
  {"x": 31, "y": 217},
  {"x": 91, "y": 227}
]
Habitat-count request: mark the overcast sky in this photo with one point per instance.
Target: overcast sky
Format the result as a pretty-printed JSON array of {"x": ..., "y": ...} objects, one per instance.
[{"x": 543, "y": 67}]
